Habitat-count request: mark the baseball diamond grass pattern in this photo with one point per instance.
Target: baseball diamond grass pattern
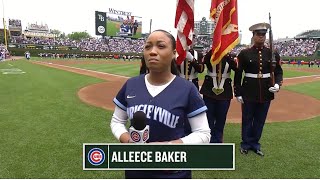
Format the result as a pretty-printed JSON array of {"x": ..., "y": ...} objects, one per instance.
[
  {"x": 311, "y": 89},
  {"x": 44, "y": 125},
  {"x": 131, "y": 70}
]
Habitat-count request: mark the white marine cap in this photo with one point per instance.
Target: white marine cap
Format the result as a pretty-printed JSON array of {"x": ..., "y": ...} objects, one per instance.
[{"x": 260, "y": 27}]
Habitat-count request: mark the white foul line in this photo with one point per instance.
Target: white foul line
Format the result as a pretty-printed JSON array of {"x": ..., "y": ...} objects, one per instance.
[
  {"x": 85, "y": 70},
  {"x": 318, "y": 76}
]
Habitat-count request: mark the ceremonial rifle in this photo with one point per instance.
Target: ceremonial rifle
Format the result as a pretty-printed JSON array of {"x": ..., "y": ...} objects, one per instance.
[{"x": 273, "y": 59}]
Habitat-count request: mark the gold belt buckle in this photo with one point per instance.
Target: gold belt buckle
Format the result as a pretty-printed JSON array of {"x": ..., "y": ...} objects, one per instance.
[{"x": 260, "y": 75}]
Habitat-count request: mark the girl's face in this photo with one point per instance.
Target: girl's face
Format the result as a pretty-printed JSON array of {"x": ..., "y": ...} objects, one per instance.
[{"x": 158, "y": 52}]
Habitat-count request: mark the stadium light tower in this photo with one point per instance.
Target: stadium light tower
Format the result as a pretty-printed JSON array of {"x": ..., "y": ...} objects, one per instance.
[{"x": 4, "y": 27}]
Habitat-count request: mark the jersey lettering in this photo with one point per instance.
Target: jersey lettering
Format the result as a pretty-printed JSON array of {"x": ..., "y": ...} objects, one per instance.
[{"x": 159, "y": 114}]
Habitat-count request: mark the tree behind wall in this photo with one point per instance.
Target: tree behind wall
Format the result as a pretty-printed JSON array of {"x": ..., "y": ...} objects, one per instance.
[{"x": 78, "y": 35}]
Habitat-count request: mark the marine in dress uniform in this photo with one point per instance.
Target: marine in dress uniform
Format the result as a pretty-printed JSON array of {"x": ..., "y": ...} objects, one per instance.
[
  {"x": 217, "y": 93},
  {"x": 262, "y": 78},
  {"x": 191, "y": 66}
]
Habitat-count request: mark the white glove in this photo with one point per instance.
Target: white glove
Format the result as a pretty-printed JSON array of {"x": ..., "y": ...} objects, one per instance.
[
  {"x": 275, "y": 88},
  {"x": 189, "y": 56},
  {"x": 239, "y": 99}
]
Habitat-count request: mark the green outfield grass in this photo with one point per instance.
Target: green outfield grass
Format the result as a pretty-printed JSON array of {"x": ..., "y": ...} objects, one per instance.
[
  {"x": 129, "y": 70},
  {"x": 311, "y": 89},
  {"x": 44, "y": 125},
  {"x": 133, "y": 70}
]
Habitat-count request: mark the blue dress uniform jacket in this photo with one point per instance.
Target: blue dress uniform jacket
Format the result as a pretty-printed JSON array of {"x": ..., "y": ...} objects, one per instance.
[{"x": 256, "y": 62}]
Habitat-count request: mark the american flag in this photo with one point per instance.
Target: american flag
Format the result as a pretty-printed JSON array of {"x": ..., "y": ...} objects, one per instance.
[
  {"x": 184, "y": 23},
  {"x": 225, "y": 31}
]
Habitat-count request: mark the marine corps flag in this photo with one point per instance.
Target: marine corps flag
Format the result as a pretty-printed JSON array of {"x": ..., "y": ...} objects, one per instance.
[
  {"x": 184, "y": 22},
  {"x": 225, "y": 29}
]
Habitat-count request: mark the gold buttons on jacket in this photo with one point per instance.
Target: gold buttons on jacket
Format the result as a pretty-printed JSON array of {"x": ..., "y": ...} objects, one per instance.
[{"x": 260, "y": 64}]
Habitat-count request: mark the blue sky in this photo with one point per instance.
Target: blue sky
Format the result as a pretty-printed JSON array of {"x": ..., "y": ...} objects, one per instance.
[{"x": 288, "y": 17}]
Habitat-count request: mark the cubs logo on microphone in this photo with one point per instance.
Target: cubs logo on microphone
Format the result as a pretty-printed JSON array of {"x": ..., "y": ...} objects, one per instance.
[
  {"x": 135, "y": 136},
  {"x": 96, "y": 156},
  {"x": 146, "y": 135}
]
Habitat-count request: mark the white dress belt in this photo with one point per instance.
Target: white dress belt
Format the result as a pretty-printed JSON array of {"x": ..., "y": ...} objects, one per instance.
[
  {"x": 216, "y": 75},
  {"x": 190, "y": 76},
  {"x": 250, "y": 75}
]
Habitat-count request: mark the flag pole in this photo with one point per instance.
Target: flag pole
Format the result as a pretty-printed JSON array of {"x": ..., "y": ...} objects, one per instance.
[
  {"x": 187, "y": 69},
  {"x": 5, "y": 33},
  {"x": 4, "y": 27},
  {"x": 150, "y": 26}
]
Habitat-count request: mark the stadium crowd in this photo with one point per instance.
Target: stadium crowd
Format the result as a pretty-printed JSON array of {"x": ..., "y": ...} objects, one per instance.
[
  {"x": 118, "y": 45},
  {"x": 291, "y": 47},
  {"x": 297, "y": 48}
]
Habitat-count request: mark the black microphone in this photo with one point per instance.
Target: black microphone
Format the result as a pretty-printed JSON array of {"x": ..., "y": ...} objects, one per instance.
[{"x": 139, "y": 130}]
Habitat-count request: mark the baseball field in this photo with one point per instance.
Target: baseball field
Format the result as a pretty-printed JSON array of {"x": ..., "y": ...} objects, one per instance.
[{"x": 49, "y": 108}]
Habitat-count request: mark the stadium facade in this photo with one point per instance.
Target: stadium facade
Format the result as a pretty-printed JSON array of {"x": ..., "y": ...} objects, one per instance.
[{"x": 205, "y": 27}]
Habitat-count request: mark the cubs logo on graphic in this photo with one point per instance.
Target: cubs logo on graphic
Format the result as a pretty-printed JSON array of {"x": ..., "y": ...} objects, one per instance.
[
  {"x": 135, "y": 136},
  {"x": 96, "y": 156},
  {"x": 146, "y": 135}
]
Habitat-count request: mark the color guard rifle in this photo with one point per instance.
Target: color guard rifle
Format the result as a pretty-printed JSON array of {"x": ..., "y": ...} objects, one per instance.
[{"x": 273, "y": 59}]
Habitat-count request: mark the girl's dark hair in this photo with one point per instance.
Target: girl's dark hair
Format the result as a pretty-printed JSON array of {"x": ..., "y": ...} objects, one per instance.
[
  {"x": 174, "y": 68},
  {"x": 143, "y": 66}
]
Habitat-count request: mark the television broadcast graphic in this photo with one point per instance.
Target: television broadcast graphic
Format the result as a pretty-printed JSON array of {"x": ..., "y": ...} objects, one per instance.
[{"x": 121, "y": 23}]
